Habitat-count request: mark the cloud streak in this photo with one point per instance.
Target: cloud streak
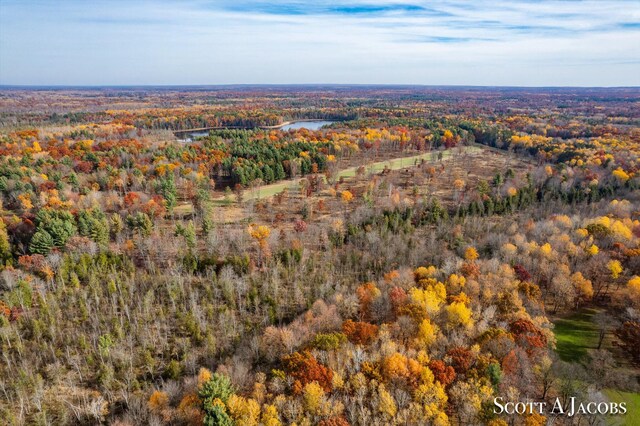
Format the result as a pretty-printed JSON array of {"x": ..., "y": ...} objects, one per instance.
[{"x": 320, "y": 8}]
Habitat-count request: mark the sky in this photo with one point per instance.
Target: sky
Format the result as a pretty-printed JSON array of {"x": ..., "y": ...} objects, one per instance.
[{"x": 439, "y": 42}]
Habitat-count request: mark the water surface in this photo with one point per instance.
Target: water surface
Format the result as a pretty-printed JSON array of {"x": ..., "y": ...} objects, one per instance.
[
  {"x": 311, "y": 125},
  {"x": 294, "y": 125}
]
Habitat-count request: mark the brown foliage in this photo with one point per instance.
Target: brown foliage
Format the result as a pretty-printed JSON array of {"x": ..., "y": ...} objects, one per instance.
[
  {"x": 461, "y": 359},
  {"x": 398, "y": 297},
  {"x": 522, "y": 273},
  {"x": 130, "y": 199},
  {"x": 359, "y": 333},
  {"x": 32, "y": 263},
  {"x": 305, "y": 368},
  {"x": 527, "y": 335},
  {"x": 629, "y": 335},
  {"x": 412, "y": 310},
  {"x": 5, "y": 310},
  {"x": 470, "y": 270},
  {"x": 443, "y": 373},
  {"x": 366, "y": 293},
  {"x": 334, "y": 421}
]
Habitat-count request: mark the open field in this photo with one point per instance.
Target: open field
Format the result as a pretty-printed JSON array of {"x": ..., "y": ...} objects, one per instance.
[
  {"x": 408, "y": 177},
  {"x": 632, "y": 400},
  {"x": 575, "y": 335},
  {"x": 267, "y": 191},
  {"x": 406, "y": 162}
]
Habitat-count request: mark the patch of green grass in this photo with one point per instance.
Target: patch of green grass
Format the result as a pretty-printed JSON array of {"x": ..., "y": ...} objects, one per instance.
[
  {"x": 402, "y": 162},
  {"x": 267, "y": 191},
  {"x": 632, "y": 400},
  {"x": 394, "y": 164},
  {"x": 183, "y": 210},
  {"x": 575, "y": 335}
]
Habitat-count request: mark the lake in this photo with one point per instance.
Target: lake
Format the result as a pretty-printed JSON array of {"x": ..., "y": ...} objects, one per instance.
[
  {"x": 294, "y": 125},
  {"x": 311, "y": 125}
]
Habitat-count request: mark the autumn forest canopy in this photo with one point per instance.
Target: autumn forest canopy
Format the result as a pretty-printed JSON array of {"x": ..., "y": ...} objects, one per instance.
[{"x": 176, "y": 256}]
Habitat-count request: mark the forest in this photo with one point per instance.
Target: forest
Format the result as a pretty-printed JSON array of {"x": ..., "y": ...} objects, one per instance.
[{"x": 430, "y": 250}]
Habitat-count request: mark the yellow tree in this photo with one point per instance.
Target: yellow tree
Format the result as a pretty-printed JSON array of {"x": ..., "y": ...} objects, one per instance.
[
  {"x": 427, "y": 333},
  {"x": 470, "y": 254},
  {"x": 592, "y": 250},
  {"x": 5, "y": 247},
  {"x": 313, "y": 396},
  {"x": 261, "y": 233},
  {"x": 615, "y": 268},
  {"x": 244, "y": 411},
  {"x": 204, "y": 375},
  {"x": 270, "y": 416},
  {"x": 430, "y": 392},
  {"x": 633, "y": 289},
  {"x": 25, "y": 201},
  {"x": 582, "y": 286},
  {"x": 458, "y": 314},
  {"x": 346, "y": 196},
  {"x": 430, "y": 299},
  {"x": 386, "y": 405},
  {"x": 620, "y": 175},
  {"x": 158, "y": 401}
]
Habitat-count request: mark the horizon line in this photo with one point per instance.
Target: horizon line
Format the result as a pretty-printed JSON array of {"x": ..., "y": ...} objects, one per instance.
[{"x": 299, "y": 85}]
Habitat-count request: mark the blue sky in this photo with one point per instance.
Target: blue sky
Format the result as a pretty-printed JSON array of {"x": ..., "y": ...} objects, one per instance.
[{"x": 473, "y": 42}]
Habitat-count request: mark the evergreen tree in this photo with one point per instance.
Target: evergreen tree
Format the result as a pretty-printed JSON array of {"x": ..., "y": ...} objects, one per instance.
[
  {"x": 167, "y": 188},
  {"x": 140, "y": 222},
  {"x": 269, "y": 175},
  {"x": 59, "y": 224},
  {"x": 279, "y": 171},
  {"x": 41, "y": 242},
  {"x": 93, "y": 224}
]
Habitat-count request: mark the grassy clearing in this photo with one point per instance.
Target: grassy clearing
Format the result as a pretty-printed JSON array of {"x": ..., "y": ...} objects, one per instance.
[
  {"x": 575, "y": 335},
  {"x": 402, "y": 162},
  {"x": 267, "y": 191},
  {"x": 183, "y": 210},
  {"x": 633, "y": 407}
]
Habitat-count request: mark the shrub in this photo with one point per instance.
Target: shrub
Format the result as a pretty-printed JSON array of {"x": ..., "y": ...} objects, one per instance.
[{"x": 328, "y": 341}]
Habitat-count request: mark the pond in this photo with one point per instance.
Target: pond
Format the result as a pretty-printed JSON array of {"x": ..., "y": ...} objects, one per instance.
[{"x": 311, "y": 125}]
